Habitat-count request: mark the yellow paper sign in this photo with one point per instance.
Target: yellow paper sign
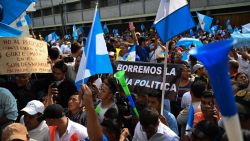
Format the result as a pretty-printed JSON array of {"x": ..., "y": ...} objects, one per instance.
[{"x": 23, "y": 55}]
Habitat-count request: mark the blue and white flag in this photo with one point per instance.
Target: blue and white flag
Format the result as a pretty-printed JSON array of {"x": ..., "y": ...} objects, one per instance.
[
  {"x": 236, "y": 30},
  {"x": 8, "y": 31},
  {"x": 198, "y": 28},
  {"x": 229, "y": 27},
  {"x": 80, "y": 30},
  {"x": 96, "y": 60},
  {"x": 142, "y": 27},
  {"x": 131, "y": 55},
  {"x": 191, "y": 33},
  {"x": 246, "y": 28},
  {"x": 116, "y": 32},
  {"x": 12, "y": 9},
  {"x": 51, "y": 37},
  {"x": 190, "y": 120},
  {"x": 187, "y": 42},
  {"x": 25, "y": 21},
  {"x": 173, "y": 17},
  {"x": 105, "y": 28},
  {"x": 75, "y": 34},
  {"x": 205, "y": 22},
  {"x": 214, "y": 29}
]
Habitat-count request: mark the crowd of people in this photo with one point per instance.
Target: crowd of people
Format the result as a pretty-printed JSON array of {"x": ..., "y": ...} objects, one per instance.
[{"x": 47, "y": 107}]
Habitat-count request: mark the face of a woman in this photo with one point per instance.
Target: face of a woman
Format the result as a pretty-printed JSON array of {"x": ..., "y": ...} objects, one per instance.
[
  {"x": 105, "y": 92},
  {"x": 186, "y": 72}
]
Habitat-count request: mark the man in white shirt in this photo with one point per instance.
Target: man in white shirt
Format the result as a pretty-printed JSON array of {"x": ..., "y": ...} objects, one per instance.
[
  {"x": 38, "y": 130},
  {"x": 65, "y": 47},
  {"x": 151, "y": 129},
  {"x": 62, "y": 128}
]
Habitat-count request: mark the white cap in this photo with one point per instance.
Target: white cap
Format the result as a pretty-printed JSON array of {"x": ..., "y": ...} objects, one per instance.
[
  {"x": 34, "y": 107},
  {"x": 197, "y": 66}
]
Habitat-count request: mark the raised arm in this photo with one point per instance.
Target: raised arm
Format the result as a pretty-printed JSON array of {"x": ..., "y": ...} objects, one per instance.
[{"x": 93, "y": 125}]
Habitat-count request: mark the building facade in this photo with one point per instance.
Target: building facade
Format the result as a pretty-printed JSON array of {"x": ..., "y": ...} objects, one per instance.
[{"x": 60, "y": 15}]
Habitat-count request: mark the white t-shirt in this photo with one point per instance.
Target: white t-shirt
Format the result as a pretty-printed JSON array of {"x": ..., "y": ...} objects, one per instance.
[
  {"x": 163, "y": 133},
  {"x": 186, "y": 100},
  {"x": 73, "y": 128},
  {"x": 41, "y": 133},
  {"x": 65, "y": 49},
  {"x": 102, "y": 111}
]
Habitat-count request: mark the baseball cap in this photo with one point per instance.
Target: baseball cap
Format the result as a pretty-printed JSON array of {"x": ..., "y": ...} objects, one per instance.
[
  {"x": 15, "y": 131},
  {"x": 53, "y": 111},
  {"x": 33, "y": 107},
  {"x": 197, "y": 66}
]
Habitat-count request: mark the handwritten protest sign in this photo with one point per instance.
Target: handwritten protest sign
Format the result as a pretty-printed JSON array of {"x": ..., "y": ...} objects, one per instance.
[
  {"x": 23, "y": 55},
  {"x": 149, "y": 76}
]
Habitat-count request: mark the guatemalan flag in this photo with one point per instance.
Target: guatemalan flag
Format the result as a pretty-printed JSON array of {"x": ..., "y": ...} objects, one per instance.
[
  {"x": 12, "y": 9},
  {"x": 246, "y": 28},
  {"x": 95, "y": 58},
  {"x": 51, "y": 37},
  {"x": 205, "y": 22},
  {"x": 105, "y": 28},
  {"x": 173, "y": 17},
  {"x": 131, "y": 55},
  {"x": 8, "y": 31},
  {"x": 24, "y": 21},
  {"x": 75, "y": 34},
  {"x": 229, "y": 27}
]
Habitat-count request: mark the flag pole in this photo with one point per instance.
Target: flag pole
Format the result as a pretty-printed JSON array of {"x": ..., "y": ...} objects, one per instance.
[{"x": 164, "y": 78}]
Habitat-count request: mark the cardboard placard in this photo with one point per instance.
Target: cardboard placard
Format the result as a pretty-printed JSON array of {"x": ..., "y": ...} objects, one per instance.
[{"x": 23, "y": 55}]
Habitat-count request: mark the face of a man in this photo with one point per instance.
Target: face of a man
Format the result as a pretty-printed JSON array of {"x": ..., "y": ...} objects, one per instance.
[
  {"x": 51, "y": 122},
  {"x": 153, "y": 103},
  {"x": 58, "y": 74},
  {"x": 74, "y": 103},
  {"x": 105, "y": 92},
  {"x": 77, "y": 62},
  {"x": 31, "y": 121},
  {"x": 22, "y": 79},
  {"x": 124, "y": 50}
]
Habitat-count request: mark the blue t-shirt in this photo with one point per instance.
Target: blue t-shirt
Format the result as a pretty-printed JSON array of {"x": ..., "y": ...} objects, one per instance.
[
  {"x": 143, "y": 53},
  {"x": 171, "y": 120}
]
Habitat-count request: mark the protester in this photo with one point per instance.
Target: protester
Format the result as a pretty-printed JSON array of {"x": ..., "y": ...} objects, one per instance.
[
  {"x": 196, "y": 90},
  {"x": 108, "y": 89},
  {"x": 60, "y": 89},
  {"x": 61, "y": 127},
  {"x": 76, "y": 111},
  {"x": 37, "y": 129},
  {"x": 208, "y": 109},
  {"x": 8, "y": 108},
  {"x": 15, "y": 131},
  {"x": 23, "y": 89},
  {"x": 72, "y": 69},
  {"x": 150, "y": 128},
  {"x": 154, "y": 101},
  {"x": 205, "y": 131}
]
